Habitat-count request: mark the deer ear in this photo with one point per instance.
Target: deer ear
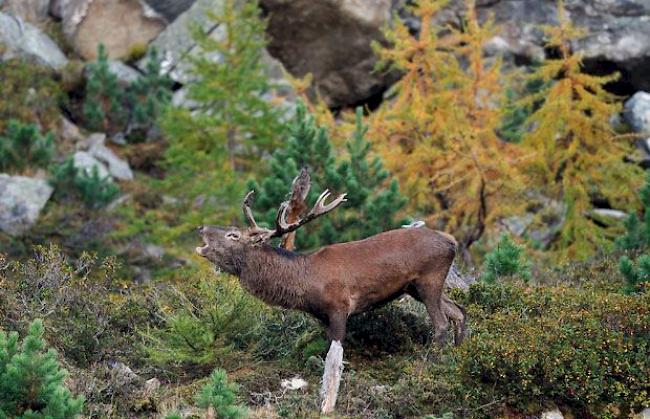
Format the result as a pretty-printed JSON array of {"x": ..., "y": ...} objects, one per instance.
[{"x": 233, "y": 235}]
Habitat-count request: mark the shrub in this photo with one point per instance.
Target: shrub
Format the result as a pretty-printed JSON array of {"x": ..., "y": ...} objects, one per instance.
[
  {"x": 94, "y": 191},
  {"x": 147, "y": 96},
  {"x": 373, "y": 199},
  {"x": 29, "y": 93},
  {"x": 31, "y": 379},
  {"x": 220, "y": 395},
  {"x": 637, "y": 232},
  {"x": 23, "y": 145},
  {"x": 583, "y": 348},
  {"x": 635, "y": 276},
  {"x": 506, "y": 259},
  {"x": 104, "y": 101}
]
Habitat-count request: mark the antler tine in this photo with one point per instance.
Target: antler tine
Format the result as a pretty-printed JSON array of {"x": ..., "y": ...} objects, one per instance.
[
  {"x": 248, "y": 213},
  {"x": 319, "y": 208},
  {"x": 283, "y": 227}
]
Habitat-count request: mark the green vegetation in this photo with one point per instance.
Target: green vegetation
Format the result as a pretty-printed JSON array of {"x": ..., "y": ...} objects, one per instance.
[
  {"x": 219, "y": 394},
  {"x": 636, "y": 277},
  {"x": 373, "y": 200},
  {"x": 104, "y": 101},
  {"x": 29, "y": 95},
  {"x": 31, "y": 379},
  {"x": 93, "y": 190},
  {"x": 506, "y": 259},
  {"x": 22, "y": 145}
]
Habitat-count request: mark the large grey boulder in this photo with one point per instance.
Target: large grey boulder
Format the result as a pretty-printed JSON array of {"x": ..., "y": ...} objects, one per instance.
[
  {"x": 170, "y": 9},
  {"x": 122, "y": 26},
  {"x": 332, "y": 41},
  {"x": 176, "y": 47},
  {"x": 22, "y": 39},
  {"x": 34, "y": 11},
  {"x": 85, "y": 162},
  {"x": 95, "y": 153},
  {"x": 125, "y": 74},
  {"x": 637, "y": 112},
  {"x": 21, "y": 201}
]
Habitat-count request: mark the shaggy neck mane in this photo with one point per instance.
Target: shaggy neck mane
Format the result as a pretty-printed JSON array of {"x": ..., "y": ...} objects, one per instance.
[{"x": 275, "y": 275}]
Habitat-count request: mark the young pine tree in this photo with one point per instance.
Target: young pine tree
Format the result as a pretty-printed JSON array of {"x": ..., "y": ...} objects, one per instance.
[
  {"x": 31, "y": 380},
  {"x": 504, "y": 260},
  {"x": 635, "y": 276},
  {"x": 372, "y": 204},
  {"x": 103, "y": 105},
  {"x": 22, "y": 145},
  {"x": 231, "y": 115},
  {"x": 149, "y": 94},
  {"x": 637, "y": 232},
  {"x": 576, "y": 157},
  {"x": 219, "y": 396},
  {"x": 439, "y": 134}
]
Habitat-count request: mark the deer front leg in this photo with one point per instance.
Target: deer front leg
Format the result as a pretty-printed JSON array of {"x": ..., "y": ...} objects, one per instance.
[{"x": 336, "y": 326}]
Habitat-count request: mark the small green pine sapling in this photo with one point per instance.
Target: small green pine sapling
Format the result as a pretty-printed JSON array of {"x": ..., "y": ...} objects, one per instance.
[
  {"x": 637, "y": 233},
  {"x": 220, "y": 395},
  {"x": 22, "y": 145},
  {"x": 149, "y": 94},
  {"x": 93, "y": 190},
  {"x": 103, "y": 105},
  {"x": 635, "y": 276},
  {"x": 506, "y": 259},
  {"x": 31, "y": 379}
]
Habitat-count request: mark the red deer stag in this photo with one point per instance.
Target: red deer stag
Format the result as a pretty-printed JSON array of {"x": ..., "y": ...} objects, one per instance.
[{"x": 341, "y": 279}]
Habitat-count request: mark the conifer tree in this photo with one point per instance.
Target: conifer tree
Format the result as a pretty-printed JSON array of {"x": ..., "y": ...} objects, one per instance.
[
  {"x": 439, "y": 134},
  {"x": 219, "y": 395},
  {"x": 31, "y": 380},
  {"x": 577, "y": 158},
  {"x": 635, "y": 276},
  {"x": 149, "y": 94},
  {"x": 23, "y": 145},
  {"x": 505, "y": 259},
  {"x": 637, "y": 232},
  {"x": 231, "y": 114},
  {"x": 373, "y": 201},
  {"x": 103, "y": 104}
]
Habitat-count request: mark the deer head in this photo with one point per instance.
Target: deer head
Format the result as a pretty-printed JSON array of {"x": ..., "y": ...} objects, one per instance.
[{"x": 226, "y": 246}]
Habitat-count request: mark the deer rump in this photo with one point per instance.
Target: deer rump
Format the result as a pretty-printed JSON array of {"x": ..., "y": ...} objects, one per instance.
[{"x": 341, "y": 279}]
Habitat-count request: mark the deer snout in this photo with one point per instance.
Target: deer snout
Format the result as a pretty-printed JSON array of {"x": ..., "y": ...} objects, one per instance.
[{"x": 200, "y": 229}]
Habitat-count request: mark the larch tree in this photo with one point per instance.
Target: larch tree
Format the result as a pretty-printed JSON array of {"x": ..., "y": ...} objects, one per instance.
[
  {"x": 577, "y": 157},
  {"x": 439, "y": 133}
]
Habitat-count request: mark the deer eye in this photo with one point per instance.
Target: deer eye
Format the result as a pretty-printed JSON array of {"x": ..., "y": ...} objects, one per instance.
[{"x": 233, "y": 235}]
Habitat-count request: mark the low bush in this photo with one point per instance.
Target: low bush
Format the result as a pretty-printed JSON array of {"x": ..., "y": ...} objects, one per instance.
[
  {"x": 23, "y": 145},
  {"x": 579, "y": 347},
  {"x": 94, "y": 191},
  {"x": 31, "y": 379},
  {"x": 506, "y": 259}
]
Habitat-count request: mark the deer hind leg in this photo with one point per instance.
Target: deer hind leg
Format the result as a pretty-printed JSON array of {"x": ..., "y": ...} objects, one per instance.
[
  {"x": 429, "y": 290},
  {"x": 457, "y": 315}
]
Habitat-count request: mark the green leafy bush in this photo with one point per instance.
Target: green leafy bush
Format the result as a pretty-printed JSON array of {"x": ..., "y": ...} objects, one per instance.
[
  {"x": 220, "y": 395},
  {"x": 635, "y": 276},
  {"x": 583, "y": 348},
  {"x": 505, "y": 259},
  {"x": 31, "y": 379},
  {"x": 94, "y": 191},
  {"x": 372, "y": 202},
  {"x": 22, "y": 145},
  {"x": 104, "y": 102}
]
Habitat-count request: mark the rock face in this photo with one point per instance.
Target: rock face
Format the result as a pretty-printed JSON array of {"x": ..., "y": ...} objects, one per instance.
[
  {"x": 170, "y": 9},
  {"x": 93, "y": 152},
  {"x": 21, "y": 201},
  {"x": 121, "y": 25},
  {"x": 637, "y": 112},
  {"x": 33, "y": 11},
  {"x": 332, "y": 41},
  {"x": 618, "y": 31},
  {"x": 21, "y": 39}
]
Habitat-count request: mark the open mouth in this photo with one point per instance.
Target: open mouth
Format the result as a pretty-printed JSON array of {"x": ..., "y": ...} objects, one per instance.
[{"x": 201, "y": 249}]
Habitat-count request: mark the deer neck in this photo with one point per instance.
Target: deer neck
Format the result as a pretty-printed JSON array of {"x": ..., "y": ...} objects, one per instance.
[{"x": 276, "y": 276}]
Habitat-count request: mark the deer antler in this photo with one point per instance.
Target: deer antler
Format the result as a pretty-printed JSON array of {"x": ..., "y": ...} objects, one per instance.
[{"x": 282, "y": 226}]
